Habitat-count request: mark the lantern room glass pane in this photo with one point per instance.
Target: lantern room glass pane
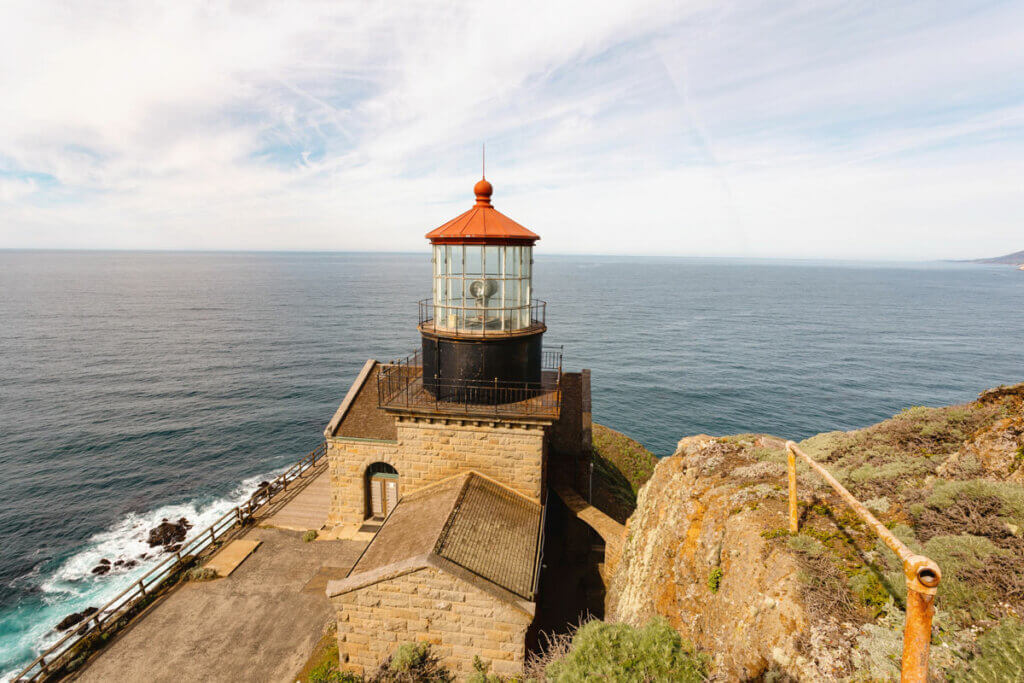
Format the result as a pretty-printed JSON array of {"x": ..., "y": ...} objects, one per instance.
[
  {"x": 482, "y": 288},
  {"x": 512, "y": 257},
  {"x": 474, "y": 260},
  {"x": 454, "y": 265},
  {"x": 492, "y": 261}
]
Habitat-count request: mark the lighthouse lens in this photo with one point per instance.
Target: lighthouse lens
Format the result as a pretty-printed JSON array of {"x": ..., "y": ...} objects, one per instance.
[{"x": 482, "y": 287}]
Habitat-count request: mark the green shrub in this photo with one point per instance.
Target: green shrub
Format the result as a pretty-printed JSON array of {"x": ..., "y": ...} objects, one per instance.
[
  {"x": 775, "y": 533},
  {"x": 413, "y": 662},
  {"x": 806, "y": 545},
  {"x": 870, "y": 590},
  {"x": 309, "y": 536},
  {"x": 888, "y": 471},
  {"x": 480, "y": 675},
  {"x": 201, "y": 574},
  {"x": 715, "y": 579},
  {"x": 947, "y": 493},
  {"x": 328, "y": 672},
  {"x": 629, "y": 456},
  {"x": 965, "y": 559},
  {"x": 1000, "y": 655},
  {"x": 879, "y": 505},
  {"x": 409, "y": 656},
  {"x": 619, "y": 652}
]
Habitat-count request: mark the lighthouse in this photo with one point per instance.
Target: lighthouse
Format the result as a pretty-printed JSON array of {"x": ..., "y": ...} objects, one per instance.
[
  {"x": 481, "y": 329},
  {"x": 445, "y": 461}
]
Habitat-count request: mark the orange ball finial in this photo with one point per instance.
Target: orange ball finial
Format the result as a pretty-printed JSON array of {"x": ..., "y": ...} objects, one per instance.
[{"x": 483, "y": 191}]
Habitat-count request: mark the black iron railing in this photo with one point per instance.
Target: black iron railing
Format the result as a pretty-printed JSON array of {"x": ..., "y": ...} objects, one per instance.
[
  {"x": 400, "y": 386},
  {"x": 481, "y": 320}
]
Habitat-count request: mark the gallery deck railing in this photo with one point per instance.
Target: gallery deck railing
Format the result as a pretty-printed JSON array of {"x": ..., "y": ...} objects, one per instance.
[
  {"x": 400, "y": 386},
  {"x": 127, "y": 603},
  {"x": 477, "y": 321},
  {"x": 922, "y": 574}
]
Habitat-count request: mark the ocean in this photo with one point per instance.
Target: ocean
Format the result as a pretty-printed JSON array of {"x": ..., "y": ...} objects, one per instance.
[{"x": 136, "y": 386}]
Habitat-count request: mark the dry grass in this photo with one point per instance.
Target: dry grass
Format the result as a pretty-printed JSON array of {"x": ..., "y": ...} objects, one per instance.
[{"x": 554, "y": 647}]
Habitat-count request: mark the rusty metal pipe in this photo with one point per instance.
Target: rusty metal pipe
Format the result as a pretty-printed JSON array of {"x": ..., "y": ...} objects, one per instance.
[
  {"x": 917, "y": 636},
  {"x": 793, "y": 514},
  {"x": 921, "y": 573}
]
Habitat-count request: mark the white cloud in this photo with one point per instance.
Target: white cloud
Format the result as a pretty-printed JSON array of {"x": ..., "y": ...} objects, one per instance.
[{"x": 847, "y": 130}]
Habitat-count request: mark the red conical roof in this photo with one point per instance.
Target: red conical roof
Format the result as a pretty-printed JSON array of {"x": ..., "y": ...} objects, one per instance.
[{"x": 482, "y": 224}]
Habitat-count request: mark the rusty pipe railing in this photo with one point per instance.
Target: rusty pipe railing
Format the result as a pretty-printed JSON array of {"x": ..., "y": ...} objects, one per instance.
[{"x": 922, "y": 574}]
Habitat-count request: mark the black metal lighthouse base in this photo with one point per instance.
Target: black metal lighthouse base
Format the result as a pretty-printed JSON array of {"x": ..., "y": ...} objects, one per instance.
[{"x": 482, "y": 370}]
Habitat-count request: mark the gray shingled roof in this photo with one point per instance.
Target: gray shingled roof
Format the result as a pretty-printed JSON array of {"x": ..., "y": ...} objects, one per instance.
[{"x": 468, "y": 520}]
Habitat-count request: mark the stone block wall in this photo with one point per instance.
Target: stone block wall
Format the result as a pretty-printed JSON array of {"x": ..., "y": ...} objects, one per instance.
[
  {"x": 428, "y": 451},
  {"x": 459, "y": 620},
  {"x": 347, "y": 460}
]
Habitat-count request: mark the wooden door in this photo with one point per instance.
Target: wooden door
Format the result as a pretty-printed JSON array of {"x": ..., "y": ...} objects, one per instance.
[
  {"x": 390, "y": 494},
  {"x": 383, "y": 494},
  {"x": 377, "y": 497}
]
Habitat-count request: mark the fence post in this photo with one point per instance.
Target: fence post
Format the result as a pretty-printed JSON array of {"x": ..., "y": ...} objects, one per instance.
[
  {"x": 917, "y": 636},
  {"x": 923, "y": 578},
  {"x": 793, "y": 514}
]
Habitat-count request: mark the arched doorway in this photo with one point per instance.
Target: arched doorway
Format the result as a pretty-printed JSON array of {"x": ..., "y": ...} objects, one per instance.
[{"x": 381, "y": 494}]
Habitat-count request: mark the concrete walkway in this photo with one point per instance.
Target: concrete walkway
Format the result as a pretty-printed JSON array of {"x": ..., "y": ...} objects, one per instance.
[
  {"x": 613, "y": 533},
  {"x": 259, "y": 624},
  {"x": 308, "y": 508}
]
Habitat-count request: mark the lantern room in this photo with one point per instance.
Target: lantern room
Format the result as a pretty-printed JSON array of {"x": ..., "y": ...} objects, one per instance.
[
  {"x": 482, "y": 271},
  {"x": 481, "y": 328}
]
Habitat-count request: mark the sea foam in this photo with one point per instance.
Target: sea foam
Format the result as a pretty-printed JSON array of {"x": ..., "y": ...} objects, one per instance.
[{"x": 73, "y": 587}]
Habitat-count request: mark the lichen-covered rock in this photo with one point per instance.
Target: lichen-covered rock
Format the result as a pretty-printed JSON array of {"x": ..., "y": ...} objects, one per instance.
[
  {"x": 996, "y": 452},
  {"x": 697, "y": 554},
  {"x": 709, "y": 548}
]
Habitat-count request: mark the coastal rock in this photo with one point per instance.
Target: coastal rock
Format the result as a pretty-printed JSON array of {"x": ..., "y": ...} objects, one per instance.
[
  {"x": 696, "y": 554},
  {"x": 74, "y": 618},
  {"x": 267, "y": 488},
  {"x": 709, "y": 546},
  {"x": 102, "y": 568},
  {"x": 169, "y": 533},
  {"x": 997, "y": 451}
]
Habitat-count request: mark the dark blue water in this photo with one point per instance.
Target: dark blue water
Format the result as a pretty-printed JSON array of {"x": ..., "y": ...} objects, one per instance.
[{"x": 136, "y": 386}]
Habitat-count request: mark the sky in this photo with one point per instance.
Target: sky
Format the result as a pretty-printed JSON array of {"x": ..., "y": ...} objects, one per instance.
[{"x": 855, "y": 130}]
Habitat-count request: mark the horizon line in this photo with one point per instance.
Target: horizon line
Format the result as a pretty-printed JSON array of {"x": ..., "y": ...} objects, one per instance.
[{"x": 158, "y": 250}]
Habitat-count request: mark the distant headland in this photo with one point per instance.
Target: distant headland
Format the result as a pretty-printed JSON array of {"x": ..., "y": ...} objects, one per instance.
[{"x": 1014, "y": 259}]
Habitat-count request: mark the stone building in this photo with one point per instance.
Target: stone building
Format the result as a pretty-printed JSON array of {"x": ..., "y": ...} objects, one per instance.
[
  {"x": 445, "y": 460},
  {"x": 434, "y": 573}
]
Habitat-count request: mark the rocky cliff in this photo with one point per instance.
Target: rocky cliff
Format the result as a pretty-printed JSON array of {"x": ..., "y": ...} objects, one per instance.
[{"x": 708, "y": 547}]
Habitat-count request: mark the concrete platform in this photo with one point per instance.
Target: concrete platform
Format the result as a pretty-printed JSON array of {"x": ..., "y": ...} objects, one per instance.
[
  {"x": 230, "y": 556},
  {"x": 259, "y": 624}
]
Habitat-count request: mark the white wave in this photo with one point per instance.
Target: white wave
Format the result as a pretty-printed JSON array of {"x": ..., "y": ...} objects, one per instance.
[{"x": 73, "y": 587}]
